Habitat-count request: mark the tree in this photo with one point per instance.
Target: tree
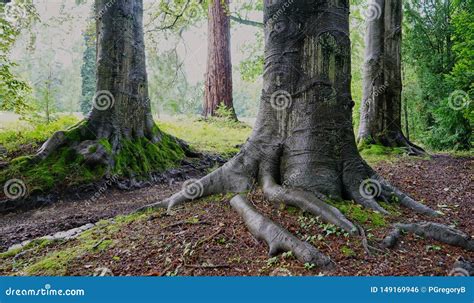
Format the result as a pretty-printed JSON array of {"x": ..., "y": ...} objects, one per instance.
[
  {"x": 381, "y": 108},
  {"x": 119, "y": 133},
  {"x": 218, "y": 85},
  {"x": 303, "y": 150},
  {"x": 88, "y": 70}
]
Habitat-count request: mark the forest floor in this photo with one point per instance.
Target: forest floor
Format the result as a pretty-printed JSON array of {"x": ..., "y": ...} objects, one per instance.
[{"x": 208, "y": 238}]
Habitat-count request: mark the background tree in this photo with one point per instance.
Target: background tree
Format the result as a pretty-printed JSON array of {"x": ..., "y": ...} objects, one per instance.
[
  {"x": 381, "y": 107},
  {"x": 302, "y": 149},
  {"x": 218, "y": 85}
]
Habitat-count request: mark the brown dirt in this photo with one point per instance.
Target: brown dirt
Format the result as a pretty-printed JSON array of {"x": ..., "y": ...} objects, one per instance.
[{"x": 212, "y": 240}]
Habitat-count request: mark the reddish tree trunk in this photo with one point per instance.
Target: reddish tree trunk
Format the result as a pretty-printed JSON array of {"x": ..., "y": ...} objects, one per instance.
[{"x": 218, "y": 87}]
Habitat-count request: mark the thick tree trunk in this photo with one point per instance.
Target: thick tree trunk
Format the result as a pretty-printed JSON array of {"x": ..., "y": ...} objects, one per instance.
[
  {"x": 302, "y": 150},
  {"x": 120, "y": 129},
  {"x": 218, "y": 85},
  {"x": 380, "y": 121}
]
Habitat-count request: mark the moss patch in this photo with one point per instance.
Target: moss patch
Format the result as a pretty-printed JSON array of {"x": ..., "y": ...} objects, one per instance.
[
  {"x": 374, "y": 153},
  {"x": 63, "y": 168},
  {"x": 95, "y": 240},
  {"x": 357, "y": 213},
  {"x": 141, "y": 157}
]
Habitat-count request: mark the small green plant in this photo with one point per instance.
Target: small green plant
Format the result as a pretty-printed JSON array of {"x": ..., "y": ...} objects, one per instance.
[
  {"x": 288, "y": 255},
  {"x": 309, "y": 266},
  {"x": 347, "y": 251},
  {"x": 272, "y": 261}
]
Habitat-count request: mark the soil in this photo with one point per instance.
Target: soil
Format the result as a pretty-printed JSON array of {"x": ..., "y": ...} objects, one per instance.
[{"x": 208, "y": 238}]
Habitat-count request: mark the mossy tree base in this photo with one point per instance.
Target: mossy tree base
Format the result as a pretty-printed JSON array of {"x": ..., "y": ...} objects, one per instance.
[{"x": 76, "y": 157}]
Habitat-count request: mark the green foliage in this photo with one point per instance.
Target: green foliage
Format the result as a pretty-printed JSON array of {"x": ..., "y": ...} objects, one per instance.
[
  {"x": 13, "y": 90},
  {"x": 438, "y": 100}
]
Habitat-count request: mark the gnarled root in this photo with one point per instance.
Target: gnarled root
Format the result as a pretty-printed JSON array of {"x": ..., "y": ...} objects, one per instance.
[
  {"x": 307, "y": 202},
  {"x": 431, "y": 230},
  {"x": 51, "y": 145},
  {"x": 225, "y": 179},
  {"x": 277, "y": 238},
  {"x": 389, "y": 191}
]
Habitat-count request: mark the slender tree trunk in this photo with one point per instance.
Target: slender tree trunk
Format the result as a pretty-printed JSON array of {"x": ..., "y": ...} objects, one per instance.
[
  {"x": 120, "y": 129},
  {"x": 381, "y": 105},
  {"x": 302, "y": 150},
  {"x": 218, "y": 85}
]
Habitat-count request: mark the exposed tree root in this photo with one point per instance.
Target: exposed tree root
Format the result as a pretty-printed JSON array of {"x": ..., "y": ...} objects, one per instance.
[
  {"x": 236, "y": 176},
  {"x": 277, "y": 238},
  {"x": 307, "y": 202},
  {"x": 389, "y": 191},
  {"x": 431, "y": 230}
]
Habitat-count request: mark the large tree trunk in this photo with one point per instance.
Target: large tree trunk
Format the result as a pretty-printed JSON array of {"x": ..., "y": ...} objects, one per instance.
[
  {"x": 302, "y": 150},
  {"x": 119, "y": 132},
  {"x": 380, "y": 121},
  {"x": 218, "y": 86}
]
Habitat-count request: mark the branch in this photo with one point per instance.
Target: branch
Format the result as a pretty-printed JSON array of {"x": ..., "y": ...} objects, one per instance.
[{"x": 246, "y": 21}]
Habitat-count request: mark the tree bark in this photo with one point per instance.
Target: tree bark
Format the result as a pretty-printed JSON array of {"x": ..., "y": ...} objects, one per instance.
[
  {"x": 218, "y": 85},
  {"x": 302, "y": 150},
  {"x": 380, "y": 121}
]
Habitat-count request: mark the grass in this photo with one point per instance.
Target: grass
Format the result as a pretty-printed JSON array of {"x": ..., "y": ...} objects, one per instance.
[
  {"x": 375, "y": 154},
  {"x": 16, "y": 134},
  {"x": 138, "y": 158},
  {"x": 217, "y": 136}
]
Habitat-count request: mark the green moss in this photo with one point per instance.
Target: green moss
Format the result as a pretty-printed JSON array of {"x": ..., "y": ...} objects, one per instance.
[
  {"x": 141, "y": 157},
  {"x": 63, "y": 168},
  {"x": 375, "y": 153},
  {"x": 358, "y": 213},
  {"x": 56, "y": 262},
  {"x": 37, "y": 244}
]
